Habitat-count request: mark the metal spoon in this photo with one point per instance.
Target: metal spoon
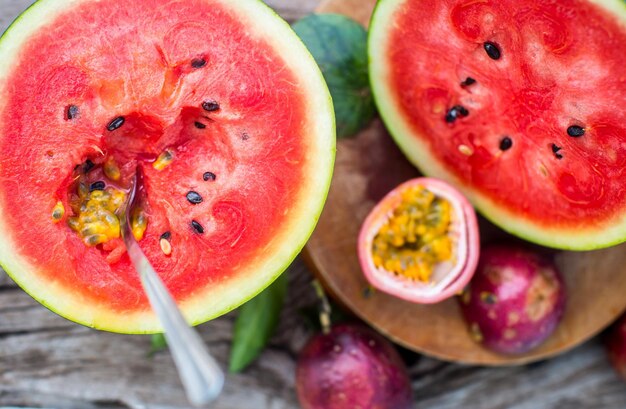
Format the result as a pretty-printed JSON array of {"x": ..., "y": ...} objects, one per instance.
[{"x": 200, "y": 374}]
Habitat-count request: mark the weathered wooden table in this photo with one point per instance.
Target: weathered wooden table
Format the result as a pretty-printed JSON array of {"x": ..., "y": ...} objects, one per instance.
[{"x": 46, "y": 361}]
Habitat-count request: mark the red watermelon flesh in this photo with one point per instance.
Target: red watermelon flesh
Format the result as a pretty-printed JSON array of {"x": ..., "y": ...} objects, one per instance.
[
  {"x": 154, "y": 64},
  {"x": 560, "y": 71}
]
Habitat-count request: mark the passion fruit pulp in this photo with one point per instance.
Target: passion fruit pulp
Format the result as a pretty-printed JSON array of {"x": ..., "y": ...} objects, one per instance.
[{"x": 420, "y": 242}]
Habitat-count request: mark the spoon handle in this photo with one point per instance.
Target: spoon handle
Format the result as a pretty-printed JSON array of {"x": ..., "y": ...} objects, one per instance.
[{"x": 201, "y": 376}]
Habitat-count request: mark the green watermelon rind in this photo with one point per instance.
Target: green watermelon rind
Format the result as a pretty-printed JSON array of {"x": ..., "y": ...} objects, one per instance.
[
  {"x": 418, "y": 153},
  {"x": 200, "y": 309}
]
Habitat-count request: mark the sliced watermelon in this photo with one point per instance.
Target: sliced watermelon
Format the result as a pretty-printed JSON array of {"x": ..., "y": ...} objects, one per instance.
[
  {"x": 221, "y": 95},
  {"x": 520, "y": 104}
]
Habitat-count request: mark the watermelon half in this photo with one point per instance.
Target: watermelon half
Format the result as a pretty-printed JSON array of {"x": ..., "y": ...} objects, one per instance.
[
  {"x": 224, "y": 90},
  {"x": 518, "y": 103}
]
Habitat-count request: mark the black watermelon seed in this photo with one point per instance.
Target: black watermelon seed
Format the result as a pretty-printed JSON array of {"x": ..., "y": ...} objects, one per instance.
[
  {"x": 245, "y": 136},
  {"x": 198, "y": 62},
  {"x": 455, "y": 112},
  {"x": 555, "y": 150},
  {"x": 209, "y": 176},
  {"x": 468, "y": 81},
  {"x": 194, "y": 197},
  {"x": 492, "y": 50},
  {"x": 506, "y": 143},
  {"x": 88, "y": 166},
  {"x": 197, "y": 227},
  {"x": 99, "y": 185},
  {"x": 71, "y": 112},
  {"x": 575, "y": 131},
  {"x": 116, "y": 123},
  {"x": 167, "y": 235},
  {"x": 210, "y": 106},
  {"x": 199, "y": 125}
]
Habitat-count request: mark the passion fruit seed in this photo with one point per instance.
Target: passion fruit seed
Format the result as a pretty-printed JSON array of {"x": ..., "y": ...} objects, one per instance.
[
  {"x": 468, "y": 81},
  {"x": 210, "y": 106},
  {"x": 99, "y": 185},
  {"x": 493, "y": 51},
  {"x": 138, "y": 223},
  {"x": 198, "y": 63},
  {"x": 58, "y": 212},
  {"x": 455, "y": 112},
  {"x": 506, "y": 143},
  {"x": 164, "y": 160},
  {"x": 209, "y": 176},
  {"x": 111, "y": 170},
  {"x": 96, "y": 222},
  {"x": 71, "y": 112},
  {"x": 575, "y": 131},
  {"x": 415, "y": 237},
  {"x": 197, "y": 227},
  {"x": 116, "y": 123},
  {"x": 194, "y": 197},
  {"x": 83, "y": 190}
]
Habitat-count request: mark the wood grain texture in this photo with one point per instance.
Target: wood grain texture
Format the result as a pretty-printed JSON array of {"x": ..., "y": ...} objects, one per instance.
[
  {"x": 369, "y": 166},
  {"x": 48, "y": 362}
]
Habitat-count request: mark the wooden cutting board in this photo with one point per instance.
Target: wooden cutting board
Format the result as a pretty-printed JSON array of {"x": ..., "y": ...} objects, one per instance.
[{"x": 370, "y": 165}]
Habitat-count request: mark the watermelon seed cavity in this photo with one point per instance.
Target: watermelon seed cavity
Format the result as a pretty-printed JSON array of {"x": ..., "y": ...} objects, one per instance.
[
  {"x": 555, "y": 150},
  {"x": 194, "y": 197},
  {"x": 493, "y": 51},
  {"x": 88, "y": 166},
  {"x": 455, "y": 112},
  {"x": 575, "y": 131},
  {"x": 116, "y": 123},
  {"x": 210, "y": 106},
  {"x": 71, "y": 112},
  {"x": 209, "y": 176},
  {"x": 198, "y": 62},
  {"x": 468, "y": 81},
  {"x": 197, "y": 227},
  {"x": 506, "y": 143}
]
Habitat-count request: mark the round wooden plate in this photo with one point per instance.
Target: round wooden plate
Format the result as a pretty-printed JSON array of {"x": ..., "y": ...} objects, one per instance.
[{"x": 370, "y": 165}]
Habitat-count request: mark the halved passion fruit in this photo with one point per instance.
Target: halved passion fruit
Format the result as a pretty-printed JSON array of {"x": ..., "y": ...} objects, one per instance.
[{"x": 421, "y": 242}]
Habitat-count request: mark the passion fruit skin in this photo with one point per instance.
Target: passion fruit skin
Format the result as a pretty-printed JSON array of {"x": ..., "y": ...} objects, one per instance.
[
  {"x": 615, "y": 343},
  {"x": 352, "y": 367},
  {"x": 515, "y": 300}
]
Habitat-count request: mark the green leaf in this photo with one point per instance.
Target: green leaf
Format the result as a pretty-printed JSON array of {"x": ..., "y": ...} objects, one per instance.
[
  {"x": 339, "y": 45},
  {"x": 157, "y": 343},
  {"x": 256, "y": 323}
]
